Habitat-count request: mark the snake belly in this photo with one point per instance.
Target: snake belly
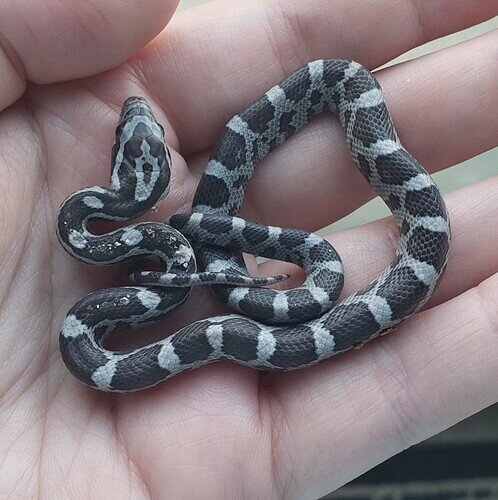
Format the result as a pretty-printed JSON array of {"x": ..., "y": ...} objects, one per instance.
[{"x": 280, "y": 333}]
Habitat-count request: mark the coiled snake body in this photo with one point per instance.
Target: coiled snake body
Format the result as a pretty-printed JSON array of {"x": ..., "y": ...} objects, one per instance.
[{"x": 276, "y": 330}]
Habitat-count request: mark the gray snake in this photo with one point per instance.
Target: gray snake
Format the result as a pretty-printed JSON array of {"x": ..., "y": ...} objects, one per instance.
[{"x": 272, "y": 330}]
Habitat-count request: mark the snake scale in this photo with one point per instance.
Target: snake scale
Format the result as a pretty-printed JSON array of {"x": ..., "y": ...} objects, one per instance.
[{"x": 271, "y": 330}]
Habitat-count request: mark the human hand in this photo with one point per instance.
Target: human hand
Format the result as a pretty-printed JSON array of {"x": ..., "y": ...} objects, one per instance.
[{"x": 226, "y": 430}]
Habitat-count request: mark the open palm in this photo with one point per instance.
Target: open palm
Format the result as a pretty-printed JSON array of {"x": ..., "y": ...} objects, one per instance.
[{"x": 226, "y": 430}]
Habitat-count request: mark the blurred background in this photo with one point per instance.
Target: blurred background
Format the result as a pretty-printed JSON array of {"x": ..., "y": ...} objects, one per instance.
[{"x": 462, "y": 462}]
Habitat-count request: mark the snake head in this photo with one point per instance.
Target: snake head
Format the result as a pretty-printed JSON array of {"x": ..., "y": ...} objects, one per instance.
[{"x": 141, "y": 161}]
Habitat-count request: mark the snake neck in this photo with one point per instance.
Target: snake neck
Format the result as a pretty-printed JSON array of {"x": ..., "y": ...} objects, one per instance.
[{"x": 136, "y": 241}]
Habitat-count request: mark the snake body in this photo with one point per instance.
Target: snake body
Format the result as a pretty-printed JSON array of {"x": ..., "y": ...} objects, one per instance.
[{"x": 273, "y": 330}]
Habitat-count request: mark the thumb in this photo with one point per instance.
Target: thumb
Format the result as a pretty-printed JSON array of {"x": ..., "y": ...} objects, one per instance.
[{"x": 48, "y": 40}]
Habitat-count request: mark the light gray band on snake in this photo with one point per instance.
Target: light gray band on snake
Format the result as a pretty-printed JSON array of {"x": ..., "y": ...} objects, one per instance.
[{"x": 277, "y": 330}]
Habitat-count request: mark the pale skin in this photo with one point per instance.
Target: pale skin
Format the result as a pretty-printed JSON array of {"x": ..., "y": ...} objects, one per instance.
[{"x": 226, "y": 431}]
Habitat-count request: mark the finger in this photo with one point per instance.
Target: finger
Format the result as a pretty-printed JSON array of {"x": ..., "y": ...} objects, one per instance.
[
  {"x": 214, "y": 60},
  {"x": 368, "y": 250},
  {"x": 443, "y": 108},
  {"x": 51, "y": 40},
  {"x": 339, "y": 419}
]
